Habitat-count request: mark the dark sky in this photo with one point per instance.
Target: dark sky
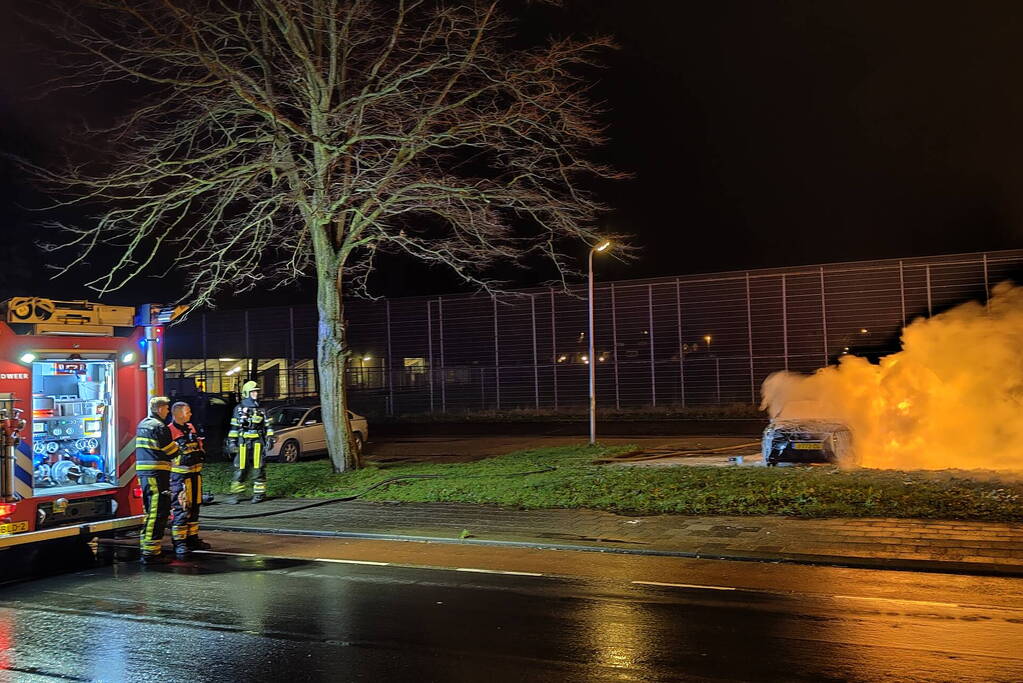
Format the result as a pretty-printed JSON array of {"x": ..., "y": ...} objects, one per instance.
[{"x": 760, "y": 133}]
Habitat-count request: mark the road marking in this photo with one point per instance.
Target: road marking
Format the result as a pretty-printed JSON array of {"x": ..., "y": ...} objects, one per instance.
[
  {"x": 376, "y": 564},
  {"x": 866, "y": 598},
  {"x": 685, "y": 585},
  {"x": 339, "y": 561},
  {"x": 221, "y": 552},
  {"x": 928, "y": 603},
  {"x": 495, "y": 571},
  {"x": 788, "y": 594}
]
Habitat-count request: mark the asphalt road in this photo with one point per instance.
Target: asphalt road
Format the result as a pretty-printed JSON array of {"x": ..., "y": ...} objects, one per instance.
[{"x": 501, "y": 615}]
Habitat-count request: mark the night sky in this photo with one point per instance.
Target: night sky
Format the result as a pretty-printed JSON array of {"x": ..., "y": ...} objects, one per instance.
[{"x": 760, "y": 134}]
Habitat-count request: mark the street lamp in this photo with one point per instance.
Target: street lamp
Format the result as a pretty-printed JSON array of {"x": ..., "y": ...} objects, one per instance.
[{"x": 600, "y": 248}]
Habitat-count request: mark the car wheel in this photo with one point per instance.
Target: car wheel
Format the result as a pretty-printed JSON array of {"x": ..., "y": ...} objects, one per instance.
[
  {"x": 290, "y": 451},
  {"x": 359, "y": 443}
]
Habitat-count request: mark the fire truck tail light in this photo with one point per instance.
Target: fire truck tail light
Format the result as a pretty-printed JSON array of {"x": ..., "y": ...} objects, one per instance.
[
  {"x": 136, "y": 492},
  {"x": 7, "y": 509}
]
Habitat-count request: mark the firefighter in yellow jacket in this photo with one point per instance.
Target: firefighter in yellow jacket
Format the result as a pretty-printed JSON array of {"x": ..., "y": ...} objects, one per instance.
[
  {"x": 186, "y": 482},
  {"x": 154, "y": 451},
  {"x": 250, "y": 437}
]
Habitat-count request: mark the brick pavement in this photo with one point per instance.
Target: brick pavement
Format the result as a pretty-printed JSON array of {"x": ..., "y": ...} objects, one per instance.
[{"x": 897, "y": 543}]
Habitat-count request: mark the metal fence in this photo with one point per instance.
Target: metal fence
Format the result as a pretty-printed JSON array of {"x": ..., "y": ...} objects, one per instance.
[{"x": 680, "y": 341}]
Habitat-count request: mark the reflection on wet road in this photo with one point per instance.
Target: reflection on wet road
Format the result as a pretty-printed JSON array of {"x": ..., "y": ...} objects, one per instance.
[{"x": 224, "y": 618}]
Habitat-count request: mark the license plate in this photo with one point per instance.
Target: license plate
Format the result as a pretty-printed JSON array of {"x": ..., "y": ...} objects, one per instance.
[
  {"x": 808, "y": 446},
  {"x": 13, "y": 528}
]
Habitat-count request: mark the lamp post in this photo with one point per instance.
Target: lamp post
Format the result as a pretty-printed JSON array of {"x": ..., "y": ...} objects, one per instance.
[{"x": 600, "y": 248}]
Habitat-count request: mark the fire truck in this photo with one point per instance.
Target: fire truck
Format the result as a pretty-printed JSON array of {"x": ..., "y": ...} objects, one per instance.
[{"x": 75, "y": 380}]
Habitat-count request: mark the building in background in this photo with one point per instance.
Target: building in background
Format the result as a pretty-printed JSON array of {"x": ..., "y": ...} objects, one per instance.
[{"x": 673, "y": 341}]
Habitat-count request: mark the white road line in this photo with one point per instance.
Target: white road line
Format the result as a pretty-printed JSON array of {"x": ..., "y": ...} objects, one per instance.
[
  {"x": 928, "y": 603},
  {"x": 789, "y": 594},
  {"x": 685, "y": 585},
  {"x": 330, "y": 559},
  {"x": 495, "y": 571},
  {"x": 865, "y": 598},
  {"x": 221, "y": 552}
]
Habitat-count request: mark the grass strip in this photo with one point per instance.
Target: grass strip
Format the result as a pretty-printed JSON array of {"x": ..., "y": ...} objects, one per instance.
[{"x": 577, "y": 482}]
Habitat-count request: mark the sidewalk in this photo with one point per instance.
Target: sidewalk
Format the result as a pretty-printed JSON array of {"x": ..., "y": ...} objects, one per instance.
[{"x": 922, "y": 545}]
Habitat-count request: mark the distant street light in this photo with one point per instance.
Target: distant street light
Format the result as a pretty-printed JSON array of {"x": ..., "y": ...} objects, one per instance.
[
  {"x": 707, "y": 339},
  {"x": 600, "y": 248}
]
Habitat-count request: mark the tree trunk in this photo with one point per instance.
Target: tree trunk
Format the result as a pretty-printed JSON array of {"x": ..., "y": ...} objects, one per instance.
[{"x": 332, "y": 354}]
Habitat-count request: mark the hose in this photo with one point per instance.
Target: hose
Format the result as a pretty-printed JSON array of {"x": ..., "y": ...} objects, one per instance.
[
  {"x": 377, "y": 485},
  {"x": 688, "y": 453}
]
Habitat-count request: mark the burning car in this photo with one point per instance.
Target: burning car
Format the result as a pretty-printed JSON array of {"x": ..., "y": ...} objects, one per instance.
[
  {"x": 798, "y": 435},
  {"x": 806, "y": 441}
]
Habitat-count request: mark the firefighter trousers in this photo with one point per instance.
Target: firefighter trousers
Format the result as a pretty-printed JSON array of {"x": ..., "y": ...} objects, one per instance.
[
  {"x": 249, "y": 464},
  {"x": 185, "y": 516},
  {"x": 156, "y": 499}
]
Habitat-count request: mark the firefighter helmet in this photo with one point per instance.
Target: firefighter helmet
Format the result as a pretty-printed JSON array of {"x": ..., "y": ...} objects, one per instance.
[{"x": 249, "y": 387}]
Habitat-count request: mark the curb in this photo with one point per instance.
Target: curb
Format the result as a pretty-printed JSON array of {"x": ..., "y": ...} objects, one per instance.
[{"x": 882, "y": 563}]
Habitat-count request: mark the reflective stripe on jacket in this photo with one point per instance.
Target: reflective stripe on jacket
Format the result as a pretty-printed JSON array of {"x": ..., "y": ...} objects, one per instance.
[
  {"x": 249, "y": 421},
  {"x": 192, "y": 454},
  {"x": 154, "y": 447}
]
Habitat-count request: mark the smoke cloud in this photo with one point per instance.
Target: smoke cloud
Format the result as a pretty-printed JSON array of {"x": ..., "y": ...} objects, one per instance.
[{"x": 951, "y": 398}]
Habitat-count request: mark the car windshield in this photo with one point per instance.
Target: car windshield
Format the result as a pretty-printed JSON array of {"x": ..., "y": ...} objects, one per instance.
[{"x": 286, "y": 416}]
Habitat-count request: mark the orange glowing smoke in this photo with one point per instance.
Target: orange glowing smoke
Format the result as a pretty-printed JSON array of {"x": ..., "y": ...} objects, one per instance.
[{"x": 953, "y": 397}]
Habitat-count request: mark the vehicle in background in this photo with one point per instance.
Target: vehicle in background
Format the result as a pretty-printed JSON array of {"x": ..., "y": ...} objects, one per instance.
[{"x": 299, "y": 432}]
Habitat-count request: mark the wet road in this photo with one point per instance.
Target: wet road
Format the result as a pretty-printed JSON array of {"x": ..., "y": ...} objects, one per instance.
[{"x": 502, "y": 615}]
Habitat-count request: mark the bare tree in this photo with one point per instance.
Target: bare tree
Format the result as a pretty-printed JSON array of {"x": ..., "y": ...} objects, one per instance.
[{"x": 279, "y": 139}]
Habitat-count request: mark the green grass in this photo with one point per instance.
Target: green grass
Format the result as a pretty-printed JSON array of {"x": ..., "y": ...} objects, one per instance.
[{"x": 577, "y": 483}]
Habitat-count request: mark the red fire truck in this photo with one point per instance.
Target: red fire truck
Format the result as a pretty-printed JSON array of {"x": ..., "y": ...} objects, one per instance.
[{"x": 75, "y": 380}]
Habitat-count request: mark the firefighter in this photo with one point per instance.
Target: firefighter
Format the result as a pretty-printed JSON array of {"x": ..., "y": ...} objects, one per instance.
[
  {"x": 154, "y": 451},
  {"x": 251, "y": 436},
  {"x": 186, "y": 482}
]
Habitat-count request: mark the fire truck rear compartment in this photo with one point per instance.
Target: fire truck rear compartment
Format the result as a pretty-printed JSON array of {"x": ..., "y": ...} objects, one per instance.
[{"x": 72, "y": 407}]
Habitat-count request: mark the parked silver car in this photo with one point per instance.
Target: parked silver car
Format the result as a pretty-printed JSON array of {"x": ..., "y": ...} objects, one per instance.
[{"x": 299, "y": 432}]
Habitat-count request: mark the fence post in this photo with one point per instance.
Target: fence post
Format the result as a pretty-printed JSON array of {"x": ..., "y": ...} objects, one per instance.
[
  {"x": 749, "y": 329},
  {"x": 929, "y": 307},
  {"x": 785, "y": 321},
  {"x": 902, "y": 292},
  {"x": 390, "y": 365},
  {"x": 824, "y": 316},
  {"x": 536, "y": 361},
  {"x": 205, "y": 372},
  {"x": 429, "y": 348},
  {"x": 497, "y": 359},
  {"x": 681, "y": 345},
  {"x": 554, "y": 350},
  {"x": 653, "y": 367},
  {"x": 717, "y": 375},
  {"x": 614, "y": 346},
  {"x": 291, "y": 347},
  {"x": 248, "y": 354},
  {"x": 987, "y": 287},
  {"x": 443, "y": 371}
]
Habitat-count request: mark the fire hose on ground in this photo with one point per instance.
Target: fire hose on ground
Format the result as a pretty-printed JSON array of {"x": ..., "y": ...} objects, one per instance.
[
  {"x": 632, "y": 456},
  {"x": 639, "y": 456},
  {"x": 379, "y": 484}
]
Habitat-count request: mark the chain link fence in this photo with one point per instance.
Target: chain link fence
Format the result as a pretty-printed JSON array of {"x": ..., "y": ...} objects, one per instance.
[{"x": 664, "y": 342}]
